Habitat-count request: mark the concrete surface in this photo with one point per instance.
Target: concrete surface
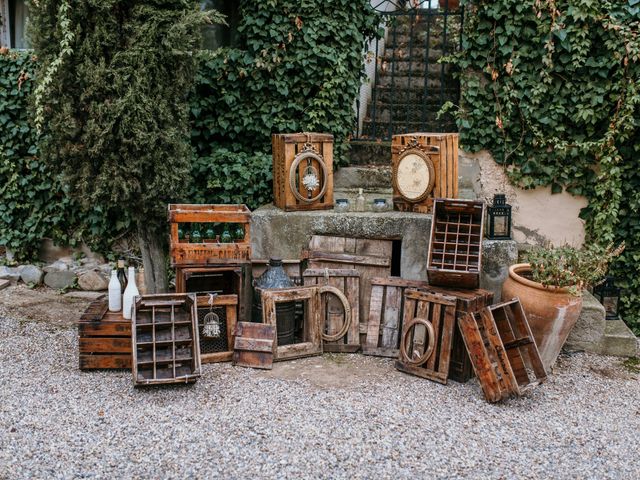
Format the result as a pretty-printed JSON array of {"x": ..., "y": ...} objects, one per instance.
[
  {"x": 619, "y": 340},
  {"x": 588, "y": 333},
  {"x": 497, "y": 257}
]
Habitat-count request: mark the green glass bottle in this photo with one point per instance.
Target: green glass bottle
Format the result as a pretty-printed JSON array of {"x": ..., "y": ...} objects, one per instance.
[
  {"x": 226, "y": 235},
  {"x": 196, "y": 236}
]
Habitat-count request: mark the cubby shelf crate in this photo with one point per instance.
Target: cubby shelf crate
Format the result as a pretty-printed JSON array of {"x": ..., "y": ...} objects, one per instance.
[
  {"x": 186, "y": 253},
  {"x": 455, "y": 248},
  {"x": 165, "y": 340}
]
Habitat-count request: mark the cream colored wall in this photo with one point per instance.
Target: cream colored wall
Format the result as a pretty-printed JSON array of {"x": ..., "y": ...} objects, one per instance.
[{"x": 538, "y": 215}]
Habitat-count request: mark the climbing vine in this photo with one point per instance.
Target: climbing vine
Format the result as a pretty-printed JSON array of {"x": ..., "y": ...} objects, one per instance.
[{"x": 551, "y": 88}]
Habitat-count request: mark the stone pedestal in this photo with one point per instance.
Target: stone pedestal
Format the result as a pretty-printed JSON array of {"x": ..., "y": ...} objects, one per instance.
[
  {"x": 497, "y": 257},
  {"x": 275, "y": 232}
]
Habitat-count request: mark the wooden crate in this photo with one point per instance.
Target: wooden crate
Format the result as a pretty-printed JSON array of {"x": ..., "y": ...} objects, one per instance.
[
  {"x": 371, "y": 258},
  {"x": 186, "y": 253},
  {"x": 312, "y": 329},
  {"x": 165, "y": 339},
  {"x": 348, "y": 282},
  {"x": 293, "y": 153},
  {"x": 220, "y": 348},
  {"x": 460, "y": 368},
  {"x": 445, "y": 166},
  {"x": 384, "y": 325},
  {"x": 503, "y": 351},
  {"x": 254, "y": 346},
  {"x": 455, "y": 247},
  {"x": 104, "y": 338},
  {"x": 427, "y": 335},
  {"x": 222, "y": 279}
]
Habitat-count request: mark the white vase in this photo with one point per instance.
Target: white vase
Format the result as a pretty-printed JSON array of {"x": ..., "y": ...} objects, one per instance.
[
  {"x": 129, "y": 294},
  {"x": 115, "y": 295}
]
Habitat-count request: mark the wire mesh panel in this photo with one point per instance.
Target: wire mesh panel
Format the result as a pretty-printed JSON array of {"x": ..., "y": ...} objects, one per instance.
[
  {"x": 213, "y": 340},
  {"x": 407, "y": 86}
]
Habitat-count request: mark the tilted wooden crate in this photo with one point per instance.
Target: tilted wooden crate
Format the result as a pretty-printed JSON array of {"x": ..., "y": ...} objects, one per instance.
[
  {"x": 455, "y": 247},
  {"x": 104, "y": 338},
  {"x": 295, "y": 156},
  {"x": 445, "y": 166},
  {"x": 189, "y": 253}
]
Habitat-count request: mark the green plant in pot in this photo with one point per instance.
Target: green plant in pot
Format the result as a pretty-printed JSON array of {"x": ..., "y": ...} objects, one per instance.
[{"x": 550, "y": 290}]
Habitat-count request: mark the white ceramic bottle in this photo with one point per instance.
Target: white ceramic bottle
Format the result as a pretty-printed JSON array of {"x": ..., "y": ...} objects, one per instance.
[
  {"x": 115, "y": 295},
  {"x": 360, "y": 201},
  {"x": 129, "y": 294}
]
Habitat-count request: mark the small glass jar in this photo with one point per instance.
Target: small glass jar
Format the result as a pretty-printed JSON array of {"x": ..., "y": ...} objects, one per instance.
[
  {"x": 342, "y": 205},
  {"x": 380, "y": 205}
]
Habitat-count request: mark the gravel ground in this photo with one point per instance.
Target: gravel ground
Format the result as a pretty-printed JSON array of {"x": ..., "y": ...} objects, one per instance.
[{"x": 331, "y": 417}]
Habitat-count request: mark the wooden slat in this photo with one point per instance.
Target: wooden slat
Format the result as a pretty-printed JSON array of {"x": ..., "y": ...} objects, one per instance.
[
  {"x": 350, "y": 259},
  {"x": 104, "y": 345},
  {"x": 105, "y": 329},
  {"x": 391, "y": 318},
  {"x": 375, "y": 315},
  {"x": 104, "y": 361},
  {"x": 506, "y": 378}
]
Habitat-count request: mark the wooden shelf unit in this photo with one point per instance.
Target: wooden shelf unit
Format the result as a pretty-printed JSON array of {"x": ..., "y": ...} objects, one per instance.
[
  {"x": 455, "y": 248},
  {"x": 169, "y": 351}
]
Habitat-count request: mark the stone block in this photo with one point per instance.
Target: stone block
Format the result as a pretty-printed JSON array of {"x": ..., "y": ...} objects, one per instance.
[
  {"x": 93, "y": 281},
  {"x": 275, "y": 232},
  {"x": 9, "y": 273},
  {"x": 363, "y": 177},
  {"x": 60, "y": 279},
  {"x": 497, "y": 257},
  {"x": 57, "y": 266},
  {"x": 619, "y": 340},
  {"x": 588, "y": 333},
  {"x": 4, "y": 284},
  {"x": 31, "y": 274}
]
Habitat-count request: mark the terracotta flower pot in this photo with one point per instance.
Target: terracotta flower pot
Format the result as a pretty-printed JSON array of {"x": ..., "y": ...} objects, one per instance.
[{"x": 551, "y": 311}]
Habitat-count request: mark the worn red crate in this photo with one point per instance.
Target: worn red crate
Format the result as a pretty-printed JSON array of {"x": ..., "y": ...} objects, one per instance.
[{"x": 104, "y": 338}]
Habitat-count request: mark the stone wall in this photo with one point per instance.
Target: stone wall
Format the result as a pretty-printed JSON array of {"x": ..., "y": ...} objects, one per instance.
[{"x": 538, "y": 215}]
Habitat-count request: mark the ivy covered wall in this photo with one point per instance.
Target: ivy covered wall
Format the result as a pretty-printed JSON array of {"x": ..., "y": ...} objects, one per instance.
[{"x": 551, "y": 89}]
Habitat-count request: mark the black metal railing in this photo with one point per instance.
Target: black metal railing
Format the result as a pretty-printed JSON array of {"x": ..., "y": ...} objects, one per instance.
[{"x": 407, "y": 85}]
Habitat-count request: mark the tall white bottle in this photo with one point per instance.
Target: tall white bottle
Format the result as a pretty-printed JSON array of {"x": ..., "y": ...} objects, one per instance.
[
  {"x": 129, "y": 294},
  {"x": 115, "y": 295}
]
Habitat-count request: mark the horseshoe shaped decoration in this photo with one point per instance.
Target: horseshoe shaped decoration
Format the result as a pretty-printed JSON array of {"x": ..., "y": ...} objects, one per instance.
[
  {"x": 405, "y": 336},
  {"x": 307, "y": 153},
  {"x": 347, "y": 313}
]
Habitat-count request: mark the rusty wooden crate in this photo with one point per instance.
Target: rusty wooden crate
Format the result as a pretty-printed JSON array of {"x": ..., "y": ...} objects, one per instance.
[
  {"x": 230, "y": 278},
  {"x": 502, "y": 350},
  {"x": 445, "y": 166},
  {"x": 209, "y": 250},
  {"x": 348, "y": 282},
  {"x": 165, "y": 339},
  {"x": 460, "y": 368},
  {"x": 254, "y": 346},
  {"x": 427, "y": 335},
  {"x": 104, "y": 338},
  {"x": 371, "y": 258},
  {"x": 294, "y": 156},
  {"x": 455, "y": 247}
]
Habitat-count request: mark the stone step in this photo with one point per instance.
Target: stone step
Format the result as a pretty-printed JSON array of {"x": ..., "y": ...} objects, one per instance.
[
  {"x": 417, "y": 53},
  {"x": 417, "y": 66},
  {"x": 411, "y": 114},
  {"x": 364, "y": 152},
  {"x": 376, "y": 177},
  {"x": 619, "y": 340},
  {"x": 417, "y": 81},
  {"x": 418, "y": 95},
  {"x": 383, "y": 130}
]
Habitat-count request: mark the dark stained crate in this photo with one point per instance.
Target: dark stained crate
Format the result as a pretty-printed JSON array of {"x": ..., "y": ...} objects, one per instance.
[{"x": 455, "y": 247}]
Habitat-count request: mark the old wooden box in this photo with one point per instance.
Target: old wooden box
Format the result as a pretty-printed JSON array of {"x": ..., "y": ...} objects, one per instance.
[
  {"x": 255, "y": 345},
  {"x": 460, "y": 368},
  {"x": 370, "y": 258},
  {"x": 424, "y": 167},
  {"x": 502, "y": 350},
  {"x": 104, "y": 338},
  {"x": 331, "y": 308},
  {"x": 229, "y": 278},
  {"x": 312, "y": 331},
  {"x": 217, "y": 318},
  {"x": 427, "y": 335},
  {"x": 455, "y": 247},
  {"x": 302, "y": 171},
  {"x": 208, "y": 250},
  {"x": 165, "y": 339}
]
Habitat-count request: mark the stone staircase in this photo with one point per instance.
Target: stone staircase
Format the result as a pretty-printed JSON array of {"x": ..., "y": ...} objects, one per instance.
[{"x": 410, "y": 86}]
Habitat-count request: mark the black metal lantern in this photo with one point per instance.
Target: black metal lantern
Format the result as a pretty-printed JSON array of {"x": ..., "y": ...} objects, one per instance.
[
  {"x": 608, "y": 294},
  {"x": 499, "y": 215}
]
